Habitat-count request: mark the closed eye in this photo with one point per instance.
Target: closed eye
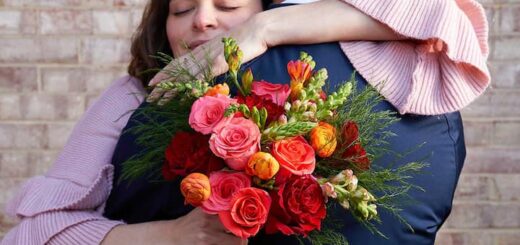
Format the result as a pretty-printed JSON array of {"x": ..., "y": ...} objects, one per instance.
[
  {"x": 227, "y": 9},
  {"x": 182, "y": 12}
]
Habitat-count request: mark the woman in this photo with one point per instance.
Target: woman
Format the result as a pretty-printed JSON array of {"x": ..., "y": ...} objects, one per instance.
[{"x": 66, "y": 204}]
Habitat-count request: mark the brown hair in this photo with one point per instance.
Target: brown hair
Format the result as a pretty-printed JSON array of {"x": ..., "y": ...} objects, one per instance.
[{"x": 150, "y": 38}]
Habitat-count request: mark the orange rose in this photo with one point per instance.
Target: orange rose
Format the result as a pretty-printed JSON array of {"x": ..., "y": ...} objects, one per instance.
[
  {"x": 218, "y": 89},
  {"x": 263, "y": 165},
  {"x": 295, "y": 155},
  {"x": 195, "y": 188},
  {"x": 323, "y": 139}
]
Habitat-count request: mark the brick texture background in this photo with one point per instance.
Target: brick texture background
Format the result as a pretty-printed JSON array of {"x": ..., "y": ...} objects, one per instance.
[{"x": 56, "y": 56}]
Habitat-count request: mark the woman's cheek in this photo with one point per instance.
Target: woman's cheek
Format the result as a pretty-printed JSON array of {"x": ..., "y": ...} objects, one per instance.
[{"x": 174, "y": 32}]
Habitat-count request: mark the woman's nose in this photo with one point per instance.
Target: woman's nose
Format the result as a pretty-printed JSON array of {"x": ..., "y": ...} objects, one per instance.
[{"x": 205, "y": 18}]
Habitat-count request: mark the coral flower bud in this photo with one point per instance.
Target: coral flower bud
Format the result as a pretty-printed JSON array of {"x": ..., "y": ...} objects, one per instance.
[
  {"x": 195, "y": 188},
  {"x": 299, "y": 70},
  {"x": 323, "y": 139},
  {"x": 222, "y": 89},
  {"x": 247, "y": 80},
  {"x": 263, "y": 165},
  {"x": 328, "y": 190}
]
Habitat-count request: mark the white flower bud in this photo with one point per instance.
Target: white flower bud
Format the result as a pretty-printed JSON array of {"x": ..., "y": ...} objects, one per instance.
[
  {"x": 287, "y": 106},
  {"x": 282, "y": 119}
]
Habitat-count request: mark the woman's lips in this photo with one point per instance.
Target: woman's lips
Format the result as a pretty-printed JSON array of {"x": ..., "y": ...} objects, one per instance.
[{"x": 195, "y": 44}]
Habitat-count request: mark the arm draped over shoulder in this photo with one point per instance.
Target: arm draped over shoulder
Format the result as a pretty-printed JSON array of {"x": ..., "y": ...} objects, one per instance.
[{"x": 442, "y": 70}]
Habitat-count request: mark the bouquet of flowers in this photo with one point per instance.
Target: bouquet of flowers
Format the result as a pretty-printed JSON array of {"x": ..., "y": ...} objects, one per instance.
[{"x": 275, "y": 156}]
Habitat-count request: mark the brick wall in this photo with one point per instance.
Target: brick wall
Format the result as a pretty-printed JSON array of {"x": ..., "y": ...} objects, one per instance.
[
  {"x": 56, "y": 56},
  {"x": 487, "y": 203}
]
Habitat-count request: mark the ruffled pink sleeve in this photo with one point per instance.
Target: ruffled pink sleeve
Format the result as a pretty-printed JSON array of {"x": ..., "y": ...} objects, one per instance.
[
  {"x": 65, "y": 205},
  {"x": 443, "y": 71}
]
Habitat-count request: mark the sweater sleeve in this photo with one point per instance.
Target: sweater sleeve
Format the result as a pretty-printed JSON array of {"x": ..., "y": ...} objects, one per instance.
[
  {"x": 442, "y": 71},
  {"x": 65, "y": 206}
]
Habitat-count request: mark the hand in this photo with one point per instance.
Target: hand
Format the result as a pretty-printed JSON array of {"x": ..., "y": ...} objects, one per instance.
[
  {"x": 250, "y": 37},
  {"x": 198, "y": 227},
  {"x": 194, "y": 228}
]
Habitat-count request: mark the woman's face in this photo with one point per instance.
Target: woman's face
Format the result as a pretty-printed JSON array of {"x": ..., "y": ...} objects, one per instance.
[{"x": 193, "y": 22}]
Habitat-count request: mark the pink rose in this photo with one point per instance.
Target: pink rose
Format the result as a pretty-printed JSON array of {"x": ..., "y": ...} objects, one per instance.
[
  {"x": 235, "y": 140},
  {"x": 208, "y": 111},
  {"x": 223, "y": 185},
  {"x": 277, "y": 93}
]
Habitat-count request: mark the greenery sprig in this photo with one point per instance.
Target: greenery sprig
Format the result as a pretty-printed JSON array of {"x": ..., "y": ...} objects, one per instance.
[
  {"x": 258, "y": 116},
  {"x": 334, "y": 101},
  {"x": 194, "y": 89},
  {"x": 154, "y": 127},
  {"x": 289, "y": 129}
]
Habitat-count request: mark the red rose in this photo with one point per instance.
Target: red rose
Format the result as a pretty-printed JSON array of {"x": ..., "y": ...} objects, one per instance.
[
  {"x": 249, "y": 209},
  {"x": 357, "y": 155},
  {"x": 295, "y": 155},
  {"x": 274, "y": 111},
  {"x": 349, "y": 133},
  {"x": 298, "y": 207},
  {"x": 188, "y": 153},
  {"x": 354, "y": 152}
]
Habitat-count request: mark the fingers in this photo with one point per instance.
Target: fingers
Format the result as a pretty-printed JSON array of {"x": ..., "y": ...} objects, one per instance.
[
  {"x": 198, "y": 213},
  {"x": 155, "y": 94},
  {"x": 200, "y": 61},
  {"x": 209, "y": 55},
  {"x": 196, "y": 63},
  {"x": 220, "y": 66},
  {"x": 167, "y": 96},
  {"x": 159, "y": 77},
  {"x": 223, "y": 238},
  {"x": 211, "y": 230}
]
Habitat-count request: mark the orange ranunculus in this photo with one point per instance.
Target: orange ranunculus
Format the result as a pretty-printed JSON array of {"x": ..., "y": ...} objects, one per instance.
[
  {"x": 218, "y": 89},
  {"x": 195, "y": 188},
  {"x": 262, "y": 165},
  {"x": 323, "y": 139},
  {"x": 299, "y": 72}
]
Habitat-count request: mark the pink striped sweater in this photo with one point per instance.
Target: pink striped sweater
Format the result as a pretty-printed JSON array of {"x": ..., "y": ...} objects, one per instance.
[{"x": 443, "y": 71}]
